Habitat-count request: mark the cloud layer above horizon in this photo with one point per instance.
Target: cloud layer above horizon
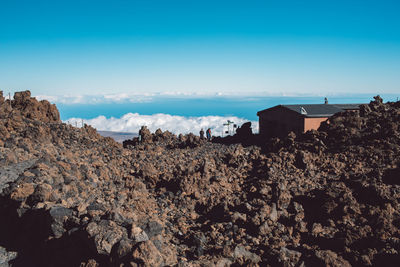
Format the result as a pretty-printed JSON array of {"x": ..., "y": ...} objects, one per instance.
[
  {"x": 132, "y": 122},
  {"x": 118, "y": 98}
]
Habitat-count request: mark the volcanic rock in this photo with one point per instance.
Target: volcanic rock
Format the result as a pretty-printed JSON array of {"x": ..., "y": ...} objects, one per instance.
[{"x": 69, "y": 197}]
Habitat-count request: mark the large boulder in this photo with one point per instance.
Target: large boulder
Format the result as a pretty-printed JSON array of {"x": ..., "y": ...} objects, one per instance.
[{"x": 32, "y": 109}]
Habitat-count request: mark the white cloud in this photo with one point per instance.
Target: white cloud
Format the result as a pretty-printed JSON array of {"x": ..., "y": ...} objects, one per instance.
[
  {"x": 151, "y": 96},
  {"x": 132, "y": 122},
  {"x": 97, "y": 99}
]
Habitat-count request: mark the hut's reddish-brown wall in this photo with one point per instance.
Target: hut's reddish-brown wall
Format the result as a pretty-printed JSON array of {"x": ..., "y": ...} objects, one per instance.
[
  {"x": 313, "y": 123},
  {"x": 280, "y": 121}
]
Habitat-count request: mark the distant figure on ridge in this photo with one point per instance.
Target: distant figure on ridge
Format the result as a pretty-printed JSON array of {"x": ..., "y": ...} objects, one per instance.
[
  {"x": 201, "y": 134},
  {"x": 208, "y": 134}
]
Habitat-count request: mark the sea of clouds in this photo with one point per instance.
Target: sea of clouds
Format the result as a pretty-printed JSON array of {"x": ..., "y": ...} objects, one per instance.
[{"x": 132, "y": 122}]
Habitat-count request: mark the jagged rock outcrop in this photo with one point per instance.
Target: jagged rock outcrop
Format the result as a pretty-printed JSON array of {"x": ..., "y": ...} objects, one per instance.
[
  {"x": 70, "y": 197},
  {"x": 28, "y": 107},
  {"x": 164, "y": 139}
]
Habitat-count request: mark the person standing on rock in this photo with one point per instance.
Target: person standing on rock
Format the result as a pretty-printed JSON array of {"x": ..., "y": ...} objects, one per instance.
[
  {"x": 208, "y": 134},
  {"x": 201, "y": 134},
  {"x": 140, "y": 135}
]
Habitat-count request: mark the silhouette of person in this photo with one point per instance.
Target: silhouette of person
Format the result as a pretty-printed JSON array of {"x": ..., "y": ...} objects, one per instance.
[
  {"x": 201, "y": 133},
  {"x": 208, "y": 134}
]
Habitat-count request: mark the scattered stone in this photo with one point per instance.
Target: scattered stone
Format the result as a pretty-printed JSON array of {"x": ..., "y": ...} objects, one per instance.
[
  {"x": 274, "y": 213},
  {"x": 243, "y": 256},
  {"x": 153, "y": 228},
  {"x": 289, "y": 257},
  {"x": 330, "y": 258},
  {"x": 147, "y": 254},
  {"x": 6, "y": 257},
  {"x": 138, "y": 234}
]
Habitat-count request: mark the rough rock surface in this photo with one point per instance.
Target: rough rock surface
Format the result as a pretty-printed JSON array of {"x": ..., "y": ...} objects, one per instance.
[
  {"x": 26, "y": 106},
  {"x": 69, "y": 197}
]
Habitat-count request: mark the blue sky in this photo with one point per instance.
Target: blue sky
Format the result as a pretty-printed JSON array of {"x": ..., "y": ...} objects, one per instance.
[{"x": 271, "y": 47}]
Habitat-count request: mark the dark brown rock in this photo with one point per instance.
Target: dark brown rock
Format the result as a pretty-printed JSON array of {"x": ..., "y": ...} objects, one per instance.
[{"x": 327, "y": 197}]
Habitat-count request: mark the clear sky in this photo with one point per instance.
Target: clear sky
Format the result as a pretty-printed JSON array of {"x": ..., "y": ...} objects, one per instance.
[{"x": 89, "y": 47}]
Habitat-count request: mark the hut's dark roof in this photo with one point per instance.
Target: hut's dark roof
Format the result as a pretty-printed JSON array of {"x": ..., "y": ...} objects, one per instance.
[{"x": 317, "y": 110}]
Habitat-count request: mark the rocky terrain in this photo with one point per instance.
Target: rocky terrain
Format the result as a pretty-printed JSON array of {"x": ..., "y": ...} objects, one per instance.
[{"x": 69, "y": 197}]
